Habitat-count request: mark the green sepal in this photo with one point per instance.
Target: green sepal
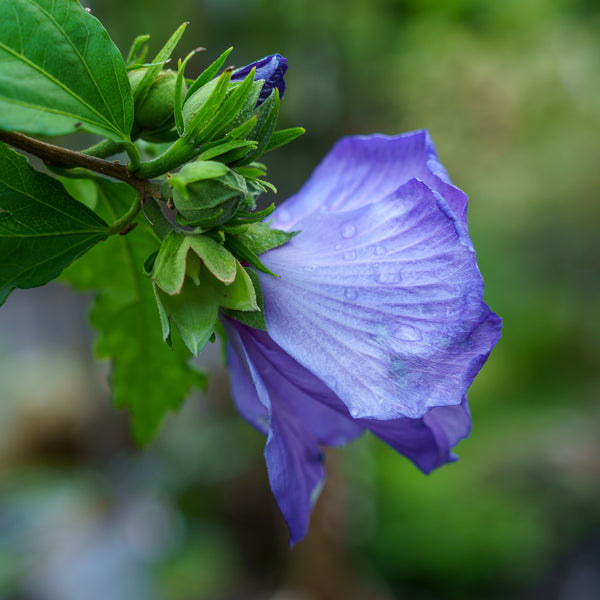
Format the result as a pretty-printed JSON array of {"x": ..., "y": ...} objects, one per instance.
[
  {"x": 179, "y": 87},
  {"x": 235, "y": 99},
  {"x": 222, "y": 147},
  {"x": 194, "y": 310},
  {"x": 202, "y": 106},
  {"x": 175, "y": 261},
  {"x": 255, "y": 318},
  {"x": 138, "y": 51},
  {"x": 194, "y": 172},
  {"x": 207, "y": 74},
  {"x": 144, "y": 85},
  {"x": 268, "y": 112},
  {"x": 208, "y": 201},
  {"x": 283, "y": 136},
  {"x": 260, "y": 237},
  {"x": 245, "y": 254}
]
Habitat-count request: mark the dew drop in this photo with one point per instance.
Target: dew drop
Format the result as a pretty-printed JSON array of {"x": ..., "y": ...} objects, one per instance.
[
  {"x": 348, "y": 230},
  {"x": 380, "y": 250},
  {"x": 386, "y": 274},
  {"x": 351, "y": 293},
  {"x": 338, "y": 246},
  {"x": 349, "y": 255},
  {"x": 407, "y": 333}
]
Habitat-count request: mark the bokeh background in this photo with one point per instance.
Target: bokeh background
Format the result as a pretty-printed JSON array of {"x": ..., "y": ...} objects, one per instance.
[{"x": 509, "y": 91}]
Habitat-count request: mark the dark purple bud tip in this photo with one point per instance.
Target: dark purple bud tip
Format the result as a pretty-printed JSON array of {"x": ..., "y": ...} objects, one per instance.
[{"x": 271, "y": 69}]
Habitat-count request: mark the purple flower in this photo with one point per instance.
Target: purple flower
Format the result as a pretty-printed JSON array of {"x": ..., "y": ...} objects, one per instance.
[
  {"x": 376, "y": 322},
  {"x": 271, "y": 69}
]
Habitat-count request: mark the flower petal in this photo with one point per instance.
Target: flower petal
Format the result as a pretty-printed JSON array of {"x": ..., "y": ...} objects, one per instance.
[
  {"x": 280, "y": 398},
  {"x": 383, "y": 303},
  {"x": 361, "y": 170},
  {"x": 428, "y": 442},
  {"x": 271, "y": 69}
]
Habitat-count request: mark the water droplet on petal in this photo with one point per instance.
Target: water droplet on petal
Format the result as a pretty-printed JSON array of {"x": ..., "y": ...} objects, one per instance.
[
  {"x": 349, "y": 255},
  {"x": 380, "y": 250},
  {"x": 387, "y": 274},
  {"x": 338, "y": 246},
  {"x": 348, "y": 230},
  {"x": 407, "y": 333},
  {"x": 351, "y": 293}
]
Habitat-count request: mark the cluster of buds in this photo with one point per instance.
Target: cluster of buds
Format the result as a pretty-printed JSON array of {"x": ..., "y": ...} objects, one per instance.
[{"x": 217, "y": 126}]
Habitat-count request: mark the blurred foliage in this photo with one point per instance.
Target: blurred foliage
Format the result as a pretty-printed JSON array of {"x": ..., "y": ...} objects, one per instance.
[{"x": 509, "y": 91}]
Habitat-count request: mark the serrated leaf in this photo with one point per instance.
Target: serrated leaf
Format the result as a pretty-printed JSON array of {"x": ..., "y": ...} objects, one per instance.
[
  {"x": 60, "y": 72},
  {"x": 148, "y": 378},
  {"x": 43, "y": 229}
]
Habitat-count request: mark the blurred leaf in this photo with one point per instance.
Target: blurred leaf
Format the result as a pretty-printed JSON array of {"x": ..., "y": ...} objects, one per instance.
[{"x": 148, "y": 378}]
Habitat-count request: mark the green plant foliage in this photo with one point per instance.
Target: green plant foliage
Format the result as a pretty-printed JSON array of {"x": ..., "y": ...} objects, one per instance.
[
  {"x": 60, "y": 72},
  {"x": 148, "y": 377},
  {"x": 43, "y": 229}
]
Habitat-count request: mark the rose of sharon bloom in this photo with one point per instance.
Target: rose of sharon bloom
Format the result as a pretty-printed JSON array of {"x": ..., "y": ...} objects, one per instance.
[
  {"x": 271, "y": 69},
  {"x": 377, "y": 320}
]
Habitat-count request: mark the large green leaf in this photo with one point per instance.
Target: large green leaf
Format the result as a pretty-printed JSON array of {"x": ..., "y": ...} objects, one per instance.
[
  {"x": 148, "y": 378},
  {"x": 60, "y": 71},
  {"x": 43, "y": 229}
]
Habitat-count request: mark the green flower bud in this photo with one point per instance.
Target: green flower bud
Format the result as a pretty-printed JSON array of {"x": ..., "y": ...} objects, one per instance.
[
  {"x": 155, "y": 111},
  {"x": 207, "y": 194}
]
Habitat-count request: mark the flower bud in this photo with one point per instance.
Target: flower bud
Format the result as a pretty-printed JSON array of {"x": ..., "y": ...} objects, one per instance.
[
  {"x": 271, "y": 70},
  {"x": 206, "y": 202},
  {"x": 155, "y": 111}
]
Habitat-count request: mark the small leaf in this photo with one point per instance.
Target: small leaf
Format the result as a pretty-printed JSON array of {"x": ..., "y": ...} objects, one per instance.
[
  {"x": 60, "y": 72},
  {"x": 43, "y": 229}
]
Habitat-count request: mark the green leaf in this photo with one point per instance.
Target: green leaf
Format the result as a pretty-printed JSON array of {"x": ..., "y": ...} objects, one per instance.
[
  {"x": 148, "y": 378},
  {"x": 43, "y": 229},
  {"x": 60, "y": 72}
]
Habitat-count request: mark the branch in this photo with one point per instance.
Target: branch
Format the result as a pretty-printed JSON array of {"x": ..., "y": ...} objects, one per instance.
[{"x": 55, "y": 155}]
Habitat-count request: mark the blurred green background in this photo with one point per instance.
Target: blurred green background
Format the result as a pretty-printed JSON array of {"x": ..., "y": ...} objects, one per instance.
[{"x": 509, "y": 91}]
